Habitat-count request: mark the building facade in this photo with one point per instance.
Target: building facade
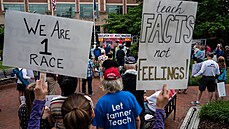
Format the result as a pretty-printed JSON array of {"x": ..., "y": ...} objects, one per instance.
[{"x": 78, "y": 9}]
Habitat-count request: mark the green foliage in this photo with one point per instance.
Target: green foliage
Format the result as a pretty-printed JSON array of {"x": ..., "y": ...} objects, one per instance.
[
  {"x": 216, "y": 111},
  {"x": 134, "y": 50},
  {"x": 1, "y": 36},
  {"x": 3, "y": 67},
  {"x": 212, "y": 20},
  {"x": 194, "y": 81},
  {"x": 128, "y": 23}
]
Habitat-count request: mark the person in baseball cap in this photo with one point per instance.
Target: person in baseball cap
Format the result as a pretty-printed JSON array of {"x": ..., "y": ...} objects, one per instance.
[{"x": 123, "y": 100}]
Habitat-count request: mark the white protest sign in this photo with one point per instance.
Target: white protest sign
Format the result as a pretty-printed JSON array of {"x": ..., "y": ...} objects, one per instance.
[
  {"x": 165, "y": 44},
  {"x": 46, "y": 43},
  {"x": 196, "y": 68},
  {"x": 221, "y": 89}
]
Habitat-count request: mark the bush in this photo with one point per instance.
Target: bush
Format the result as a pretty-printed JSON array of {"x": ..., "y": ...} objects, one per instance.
[{"x": 216, "y": 111}]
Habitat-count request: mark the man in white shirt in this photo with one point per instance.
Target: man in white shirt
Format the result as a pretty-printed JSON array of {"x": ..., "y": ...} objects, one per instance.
[{"x": 209, "y": 70}]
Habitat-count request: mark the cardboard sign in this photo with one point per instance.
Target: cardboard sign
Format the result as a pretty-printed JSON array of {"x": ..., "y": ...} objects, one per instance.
[
  {"x": 46, "y": 43},
  {"x": 196, "y": 68},
  {"x": 165, "y": 44},
  {"x": 221, "y": 89}
]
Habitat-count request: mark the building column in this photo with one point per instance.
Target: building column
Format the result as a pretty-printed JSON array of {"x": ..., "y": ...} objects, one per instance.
[
  {"x": 124, "y": 6},
  {"x": 2, "y": 7},
  {"x": 26, "y": 3}
]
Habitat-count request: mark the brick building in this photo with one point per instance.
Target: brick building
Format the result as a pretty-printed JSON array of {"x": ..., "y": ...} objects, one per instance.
[{"x": 79, "y": 9}]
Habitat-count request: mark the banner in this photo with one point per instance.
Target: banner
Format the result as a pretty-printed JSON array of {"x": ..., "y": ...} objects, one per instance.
[
  {"x": 165, "y": 44},
  {"x": 46, "y": 43}
]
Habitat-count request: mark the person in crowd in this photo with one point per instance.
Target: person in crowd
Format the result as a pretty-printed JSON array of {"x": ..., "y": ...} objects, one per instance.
[
  {"x": 129, "y": 84},
  {"x": 53, "y": 85},
  {"x": 108, "y": 48},
  {"x": 26, "y": 108},
  {"x": 117, "y": 109},
  {"x": 41, "y": 90},
  {"x": 226, "y": 55},
  {"x": 120, "y": 56},
  {"x": 222, "y": 77},
  {"x": 68, "y": 87},
  {"x": 22, "y": 80},
  {"x": 219, "y": 51},
  {"x": 200, "y": 55},
  {"x": 209, "y": 70},
  {"x": 90, "y": 74},
  {"x": 101, "y": 59},
  {"x": 30, "y": 74},
  {"x": 92, "y": 50},
  {"x": 196, "y": 49},
  {"x": 109, "y": 62},
  {"x": 150, "y": 101},
  {"x": 97, "y": 52},
  {"x": 77, "y": 112},
  {"x": 207, "y": 49}
]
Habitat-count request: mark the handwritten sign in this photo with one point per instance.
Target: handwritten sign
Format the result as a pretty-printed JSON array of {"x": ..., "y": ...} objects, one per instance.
[
  {"x": 46, "y": 43},
  {"x": 165, "y": 44}
]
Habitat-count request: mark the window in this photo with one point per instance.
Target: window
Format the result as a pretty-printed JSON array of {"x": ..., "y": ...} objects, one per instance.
[
  {"x": 65, "y": 10},
  {"x": 38, "y": 8},
  {"x": 17, "y": 7},
  {"x": 86, "y": 10},
  {"x": 114, "y": 9}
]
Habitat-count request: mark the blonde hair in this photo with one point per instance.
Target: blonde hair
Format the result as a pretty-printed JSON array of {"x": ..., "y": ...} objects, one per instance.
[
  {"x": 77, "y": 112},
  {"x": 112, "y": 85},
  {"x": 221, "y": 62}
]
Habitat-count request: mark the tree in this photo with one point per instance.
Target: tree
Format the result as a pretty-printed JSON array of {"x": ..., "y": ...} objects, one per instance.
[
  {"x": 212, "y": 20},
  {"x": 127, "y": 23}
]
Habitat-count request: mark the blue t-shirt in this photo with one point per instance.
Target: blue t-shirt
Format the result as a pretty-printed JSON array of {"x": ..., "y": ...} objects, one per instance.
[{"x": 117, "y": 111}]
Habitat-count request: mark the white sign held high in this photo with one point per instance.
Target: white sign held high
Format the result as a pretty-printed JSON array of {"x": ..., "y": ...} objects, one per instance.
[
  {"x": 46, "y": 43},
  {"x": 165, "y": 44}
]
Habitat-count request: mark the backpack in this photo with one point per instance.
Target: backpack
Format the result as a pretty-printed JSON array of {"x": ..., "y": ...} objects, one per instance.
[
  {"x": 19, "y": 75},
  {"x": 97, "y": 52}
]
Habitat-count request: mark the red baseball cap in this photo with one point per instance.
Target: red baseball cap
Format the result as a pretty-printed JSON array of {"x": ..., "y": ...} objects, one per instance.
[{"x": 111, "y": 74}]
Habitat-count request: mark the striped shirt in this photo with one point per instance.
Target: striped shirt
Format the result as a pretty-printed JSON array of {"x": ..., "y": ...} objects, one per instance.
[{"x": 55, "y": 107}]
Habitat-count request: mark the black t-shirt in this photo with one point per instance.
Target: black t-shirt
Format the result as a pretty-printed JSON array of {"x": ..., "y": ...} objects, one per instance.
[{"x": 109, "y": 63}]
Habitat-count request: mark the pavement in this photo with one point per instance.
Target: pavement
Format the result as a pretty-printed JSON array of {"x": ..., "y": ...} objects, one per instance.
[{"x": 9, "y": 104}]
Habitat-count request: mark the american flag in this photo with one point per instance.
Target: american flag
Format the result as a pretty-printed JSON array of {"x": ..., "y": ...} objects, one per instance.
[
  {"x": 53, "y": 5},
  {"x": 94, "y": 9}
]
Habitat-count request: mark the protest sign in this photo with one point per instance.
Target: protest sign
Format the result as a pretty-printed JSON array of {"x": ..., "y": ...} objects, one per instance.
[
  {"x": 47, "y": 43},
  {"x": 221, "y": 89},
  {"x": 165, "y": 44},
  {"x": 196, "y": 68}
]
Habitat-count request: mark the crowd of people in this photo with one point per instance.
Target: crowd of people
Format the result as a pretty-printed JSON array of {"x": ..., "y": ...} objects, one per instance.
[
  {"x": 213, "y": 68},
  {"x": 122, "y": 106}
]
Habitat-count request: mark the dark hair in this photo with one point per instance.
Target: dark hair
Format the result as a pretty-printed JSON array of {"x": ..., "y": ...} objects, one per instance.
[
  {"x": 210, "y": 54},
  {"x": 76, "y": 112},
  {"x": 109, "y": 55},
  {"x": 68, "y": 85},
  {"x": 29, "y": 97},
  {"x": 51, "y": 75}
]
